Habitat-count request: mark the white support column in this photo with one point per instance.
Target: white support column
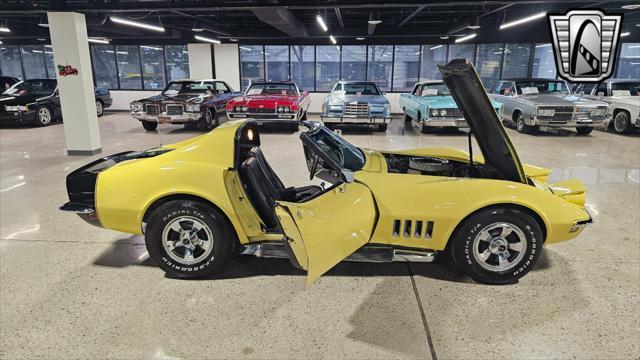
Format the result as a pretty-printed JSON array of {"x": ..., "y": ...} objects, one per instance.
[
  {"x": 200, "y": 64},
  {"x": 227, "y": 62},
  {"x": 68, "y": 32}
]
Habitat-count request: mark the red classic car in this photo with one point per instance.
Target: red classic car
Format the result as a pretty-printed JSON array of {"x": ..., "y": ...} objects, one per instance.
[{"x": 271, "y": 102}]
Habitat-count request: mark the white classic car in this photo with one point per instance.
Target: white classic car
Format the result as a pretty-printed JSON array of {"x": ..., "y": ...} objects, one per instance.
[{"x": 624, "y": 97}]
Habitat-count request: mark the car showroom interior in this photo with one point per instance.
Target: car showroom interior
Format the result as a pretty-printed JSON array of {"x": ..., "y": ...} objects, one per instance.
[{"x": 286, "y": 179}]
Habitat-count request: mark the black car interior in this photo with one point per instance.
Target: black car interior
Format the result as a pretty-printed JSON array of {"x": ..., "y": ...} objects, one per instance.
[{"x": 261, "y": 184}]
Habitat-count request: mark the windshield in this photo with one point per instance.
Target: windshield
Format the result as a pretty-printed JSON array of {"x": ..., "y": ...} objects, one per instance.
[
  {"x": 32, "y": 87},
  {"x": 346, "y": 155},
  {"x": 272, "y": 89},
  {"x": 190, "y": 87},
  {"x": 541, "y": 87},
  {"x": 360, "y": 89},
  {"x": 631, "y": 88},
  {"x": 435, "y": 90}
]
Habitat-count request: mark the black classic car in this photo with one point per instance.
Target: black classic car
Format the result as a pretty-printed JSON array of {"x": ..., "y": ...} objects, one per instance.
[
  {"x": 198, "y": 102},
  {"x": 37, "y": 102}
]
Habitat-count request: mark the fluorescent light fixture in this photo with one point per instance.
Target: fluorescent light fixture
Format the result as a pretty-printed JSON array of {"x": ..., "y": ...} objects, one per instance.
[
  {"x": 37, "y": 51},
  {"x": 631, "y": 6},
  {"x": 98, "y": 41},
  {"x": 44, "y": 25},
  {"x": 320, "y": 21},
  {"x": 233, "y": 39},
  {"x": 465, "y": 38},
  {"x": 245, "y": 48},
  {"x": 137, "y": 24},
  {"x": 360, "y": 38},
  {"x": 1, "y": 43},
  {"x": 444, "y": 37},
  {"x": 523, "y": 20},
  {"x": 436, "y": 47},
  {"x": 4, "y": 29},
  {"x": 333, "y": 40},
  {"x": 199, "y": 29},
  {"x": 542, "y": 45},
  {"x": 374, "y": 18},
  {"x": 625, "y": 34},
  {"x": 210, "y": 40},
  {"x": 48, "y": 46},
  {"x": 150, "y": 47}
]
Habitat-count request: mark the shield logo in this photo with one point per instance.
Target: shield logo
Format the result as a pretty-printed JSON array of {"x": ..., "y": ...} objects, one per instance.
[{"x": 585, "y": 44}]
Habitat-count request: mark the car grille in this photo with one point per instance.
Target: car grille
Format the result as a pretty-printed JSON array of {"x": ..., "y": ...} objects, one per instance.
[
  {"x": 450, "y": 113},
  {"x": 152, "y": 109},
  {"x": 261, "y": 111},
  {"x": 174, "y": 110},
  {"x": 562, "y": 113},
  {"x": 357, "y": 110}
]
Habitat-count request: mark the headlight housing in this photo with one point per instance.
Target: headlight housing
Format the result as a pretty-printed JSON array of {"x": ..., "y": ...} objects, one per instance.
[
  {"x": 598, "y": 112},
  {"x": 240, "y": 108},
  {"x": 283, "y": 109},
  {"x": 546, "y": 112},
  {"x": 336, "y": 108},
  {"x": 136, "y": 106},
  {"x": 16, "y": 108},
  {"x": 193, "y": 107}
]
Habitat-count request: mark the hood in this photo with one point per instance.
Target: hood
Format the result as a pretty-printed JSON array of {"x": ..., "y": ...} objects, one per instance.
[
  {"x": 627, "y": 100},
  {"x": 447, "y": 102},
  {"x": 561, "y": 100},
  {"x": 370, "y": 99},
  {"x": 265, "y": 100},
  {"x": 186, "y": 98},
  {"x": 466, "y": 88},
  {"x": 19, "y": 99}
]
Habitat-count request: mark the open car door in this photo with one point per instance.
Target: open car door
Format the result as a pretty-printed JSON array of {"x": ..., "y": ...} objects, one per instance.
[{"x": 328, "y": 227}]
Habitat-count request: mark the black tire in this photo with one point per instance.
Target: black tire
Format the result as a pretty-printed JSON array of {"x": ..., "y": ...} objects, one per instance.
[
  {"x": 584, "y": 130},
  {"x": 521, "y": 126},
  {"x": 427, "y": 129},
  {"x": 468, "y": 256},
  {"x": 43, "y": 116},
  {"x": 621, "y": 122},
  {"x": 304, "y": 116},
  {"x": 382, "y": 127},
  {"x": 99, "y": 108},
  {"x": 149, "y": 125},
  {"x": 187, "y": 214},
  {"x": 294, "y": 127},
  {"x": 208, "y": 121},
  {"x": 407, "y": 118}
]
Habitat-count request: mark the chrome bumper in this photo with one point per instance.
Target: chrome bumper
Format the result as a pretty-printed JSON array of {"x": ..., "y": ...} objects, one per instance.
[
  {"x": 445, "y": 122},
  {"x": 575, "y": 122},
  {"x": 264, "y": 117},
  {"x": 355, "y": 120},
  {"x": 186, "y": 117}
]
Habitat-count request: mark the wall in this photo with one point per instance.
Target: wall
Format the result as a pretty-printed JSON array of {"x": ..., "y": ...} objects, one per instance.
[
  {"x": 200, "y": 61},
  {"x": 122, "y": 98},
  {"x": 227, "y": 63}
]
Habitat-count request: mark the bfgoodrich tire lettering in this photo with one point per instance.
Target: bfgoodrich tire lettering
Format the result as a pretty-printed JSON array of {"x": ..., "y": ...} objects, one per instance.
[
  {"x": 188, "y": 239},
  {"x": 507, "y": 258}
]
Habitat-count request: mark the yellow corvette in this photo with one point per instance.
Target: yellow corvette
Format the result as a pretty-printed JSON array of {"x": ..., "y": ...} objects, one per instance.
[{"x": 203, "y": 200}]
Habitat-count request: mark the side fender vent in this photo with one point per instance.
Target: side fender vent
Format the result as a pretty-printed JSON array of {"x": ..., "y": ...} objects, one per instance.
[{"x": 417, "y": 229}]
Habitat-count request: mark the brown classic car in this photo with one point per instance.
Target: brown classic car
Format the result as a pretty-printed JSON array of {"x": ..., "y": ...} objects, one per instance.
[{"x": 198, "y": 102}]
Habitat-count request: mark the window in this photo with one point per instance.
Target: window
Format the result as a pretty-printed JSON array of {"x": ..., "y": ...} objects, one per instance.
[
  {"x": 272, "y": 89},
  {"x": 432, "y": 56},
  {"x": 544, "y": 63},
  {"x": 629, "y": 61},
  {"x": 489, "y": 61},
  {"x": 251, "y": 64},
  {"x": 128, "y": 58},
  {"x": 625, "y": 88},
  {"x": 464, "y": 51},
  {"x": 327, "y": 67},
  {"x": 10, "y": 64},
  {"x": 33, "y": 62},
  {"x": 602, "y": 89},
  {"x": 222, "y": 87},
  {"x": 516, "y": 61},
  {"x": 354, "y": 62},
  {"x": 49, "y": 62},
  {"x": 361, "y": 89},
  {"x": 104, "y": 66},
  {"x": 504, "y": 88},
  {"x": 406, "y": 67},
  {"x": 277, "y": 62},
  {"x": 379, "y": 67},
  {"x": 541, "y": 87},
  {"x": 152, "y": 67},
  {"x": 177, "y": 61},
  {"x": 302, "y": 66}
]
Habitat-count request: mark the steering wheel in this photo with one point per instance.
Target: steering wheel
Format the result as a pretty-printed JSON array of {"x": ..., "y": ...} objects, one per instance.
[{"x": 314, "y": 166}]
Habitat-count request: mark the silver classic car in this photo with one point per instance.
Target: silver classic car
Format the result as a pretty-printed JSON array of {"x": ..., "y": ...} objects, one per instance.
[
  {"x": 356, "y": 102},
  {"x": 624, "y": 97},
  {"x": 531, "y": 103}
]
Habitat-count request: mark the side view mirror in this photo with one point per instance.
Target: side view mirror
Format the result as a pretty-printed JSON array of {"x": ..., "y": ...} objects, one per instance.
[
  {"x": 347, "y": 176},
  {"x": 305, "y": 93}
]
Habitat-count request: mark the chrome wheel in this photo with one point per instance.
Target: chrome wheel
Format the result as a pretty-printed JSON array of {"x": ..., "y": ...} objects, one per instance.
[
  {"x": 520, "y": 123},
  {"x": 187, "y": 240},
  {"x": 99, "y": 108},
  {"x": 620, "y": 123},
  {"x": 208, "y": 118},
  {"x": 499, "y": 246},
  {"x": 44, "y": 115}
]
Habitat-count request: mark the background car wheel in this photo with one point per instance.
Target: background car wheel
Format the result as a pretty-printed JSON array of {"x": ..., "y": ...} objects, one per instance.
[
  {"x": 188, "y": 239},
  {"x": 407, "y": 118},
  {"x": 497, "y": 246},
  {"x": 294, "y": 127},
  {"x": 621, "y": 123},
  {"x": 584, "y": 130},
  {"x": 427, "y": 129},
  {"x": 43, "y": 116},
  {"x": 522, "y": 127},
  {"x": 382, "y": 127},
  {"x": 207, "y": 122},
  {"x": 99, "y": 108},
  {"x": 149, "y": 125}
]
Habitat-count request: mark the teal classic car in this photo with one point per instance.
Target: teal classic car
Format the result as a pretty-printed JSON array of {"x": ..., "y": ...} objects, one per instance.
[{"x": 431, "y": 106}]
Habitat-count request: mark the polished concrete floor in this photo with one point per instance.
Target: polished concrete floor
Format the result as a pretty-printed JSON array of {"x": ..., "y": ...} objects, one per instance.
[{"x": 69, "y": 290}]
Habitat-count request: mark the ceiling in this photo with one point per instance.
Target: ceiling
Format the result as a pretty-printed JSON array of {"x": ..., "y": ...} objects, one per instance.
[{"x": 294, "y": 22}]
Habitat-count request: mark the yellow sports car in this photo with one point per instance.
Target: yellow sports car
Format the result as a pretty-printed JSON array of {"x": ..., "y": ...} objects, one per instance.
[{"x": 200, "y": 201}]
